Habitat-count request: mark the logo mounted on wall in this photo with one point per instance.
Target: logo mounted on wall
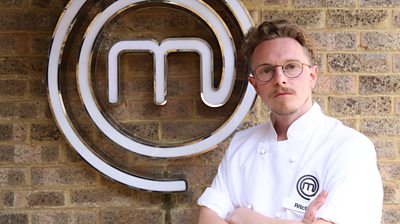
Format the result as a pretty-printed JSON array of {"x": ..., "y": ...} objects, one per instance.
[{"x": 135, "y": 80}]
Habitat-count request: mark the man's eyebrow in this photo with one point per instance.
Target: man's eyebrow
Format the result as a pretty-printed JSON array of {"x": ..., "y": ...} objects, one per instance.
[{"x": 279, "y": 64}]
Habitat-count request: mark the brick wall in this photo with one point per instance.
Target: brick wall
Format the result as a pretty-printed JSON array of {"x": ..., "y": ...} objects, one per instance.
[{"x": 42, "y": 180}]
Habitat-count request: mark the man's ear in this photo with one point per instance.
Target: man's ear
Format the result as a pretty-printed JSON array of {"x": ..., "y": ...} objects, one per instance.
[
  {"x": 314, "y": 75},
  {"x": 253, "y": 83}
]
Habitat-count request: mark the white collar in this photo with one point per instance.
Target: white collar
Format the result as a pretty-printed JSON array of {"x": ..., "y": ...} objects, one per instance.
[{"x": 302, "y": 126}]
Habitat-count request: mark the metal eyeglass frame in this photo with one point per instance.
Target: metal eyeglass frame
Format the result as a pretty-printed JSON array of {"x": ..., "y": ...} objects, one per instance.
[{"x": 253, "y": 74}]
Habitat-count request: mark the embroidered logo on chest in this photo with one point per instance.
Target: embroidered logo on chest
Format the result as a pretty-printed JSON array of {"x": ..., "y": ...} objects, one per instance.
[{"x": 307, "y": 186}]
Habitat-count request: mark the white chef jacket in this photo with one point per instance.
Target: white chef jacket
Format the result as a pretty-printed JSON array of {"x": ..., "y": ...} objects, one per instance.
[{"x": 279, "y": 179}]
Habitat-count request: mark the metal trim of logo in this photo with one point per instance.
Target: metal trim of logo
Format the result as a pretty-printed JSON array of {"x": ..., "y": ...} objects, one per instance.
[{"x": 61, "y": 33}]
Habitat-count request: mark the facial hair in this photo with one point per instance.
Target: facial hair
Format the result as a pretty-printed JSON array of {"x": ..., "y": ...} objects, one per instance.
[{"x": 286, "y": 108}]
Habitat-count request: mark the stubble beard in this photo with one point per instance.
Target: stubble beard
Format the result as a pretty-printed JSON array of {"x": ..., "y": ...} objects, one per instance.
[{"x": 285, "y": 108}]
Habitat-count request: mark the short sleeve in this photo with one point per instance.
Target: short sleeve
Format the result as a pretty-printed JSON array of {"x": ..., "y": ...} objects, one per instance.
[
  {"x": 217, "y": 196},
  {"x": 214, "y": 200}
]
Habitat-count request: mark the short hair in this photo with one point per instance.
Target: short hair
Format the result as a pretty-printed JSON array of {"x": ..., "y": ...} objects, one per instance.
[{"x": 270, "y": 30}]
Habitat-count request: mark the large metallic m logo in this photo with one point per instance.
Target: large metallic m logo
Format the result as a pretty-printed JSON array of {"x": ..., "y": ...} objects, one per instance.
[
  {"x": 210, "y": 96},
  {"x": 84, "y": 82}
]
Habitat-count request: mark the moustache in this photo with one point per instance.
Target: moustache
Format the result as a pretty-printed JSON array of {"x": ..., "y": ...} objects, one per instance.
[{"x": 282, "y": 90}]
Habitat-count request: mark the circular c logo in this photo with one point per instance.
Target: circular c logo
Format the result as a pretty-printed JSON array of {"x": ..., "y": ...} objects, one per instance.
[
  {"x": 211, "y": 97},
  {"x": 307, "y": 186}
]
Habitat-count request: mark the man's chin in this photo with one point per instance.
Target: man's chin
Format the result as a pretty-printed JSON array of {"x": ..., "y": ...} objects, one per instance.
[{"x": 283, "y": 111}]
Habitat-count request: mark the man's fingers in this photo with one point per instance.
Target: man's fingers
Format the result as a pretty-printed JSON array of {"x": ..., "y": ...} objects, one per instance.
[
  {"x": 312, "y": 209},
  {"x": 309, "y": 217},
  {"x": 319, "y": 201}
]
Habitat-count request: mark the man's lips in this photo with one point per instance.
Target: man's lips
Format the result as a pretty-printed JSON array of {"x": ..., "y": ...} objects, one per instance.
[{"x": 282, "y": 93}]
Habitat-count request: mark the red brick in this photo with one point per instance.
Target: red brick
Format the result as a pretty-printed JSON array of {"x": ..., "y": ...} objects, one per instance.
[
  {"x": 386, "y": 149},
  {"x": 10, "y": 177},
  {"x": 22, "y": 66},
  {"x": 351, "y": 106},
  {"x": 371, "y": 62},
  {"x": 45, "y": 132},
  {"x": 391, "y": 193},
  {"x": 46, "y": 199},
  {"x": 390, "y": 171},
  {"x": 70, "y": 217},
  {"x": 14, "y": 44},
  {"x": 20, "y": 132},
  {"x": 37, "y": 88},
  {"x": 324, "y": 3},
  {"x": 48, "y": 4},
  {"x": 103, "y": 197},
  {"x": 313, "y": 19},
  {"x": 184, "y": 215},
  {"x": 380, "y": 126},
  {"x": 391, "y": 215},
  {"x": 72, "y": 175},
  {"x": 28, "y": 21},
  {"x": 12, "y": 88},
  {"x": 132, "y": 216},
  {"x": 356, "y": 18},
  {"x": 7, "y": 198},
  {"x": 14, "y": 218},
  {"x": 6, "y": 132},
  {"x": 15, "y": 4},
  {"x": 336, "y": 84},
  {"x": 6, "y": 153}
]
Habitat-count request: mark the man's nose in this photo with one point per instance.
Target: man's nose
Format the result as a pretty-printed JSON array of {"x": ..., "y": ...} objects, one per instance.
[{"x": 279, "y": 77}]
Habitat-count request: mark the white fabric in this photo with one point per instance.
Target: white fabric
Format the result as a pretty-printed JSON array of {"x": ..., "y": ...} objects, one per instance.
[{"x": 259, "y": 172}]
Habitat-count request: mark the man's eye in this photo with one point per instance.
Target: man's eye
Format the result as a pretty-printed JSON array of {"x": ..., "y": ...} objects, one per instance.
[
  {"x": 292, "y": 66},
  {"x": 267, "y": 70}
]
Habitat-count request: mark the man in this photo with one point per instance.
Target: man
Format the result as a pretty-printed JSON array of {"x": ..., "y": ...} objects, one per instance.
[{"x": 302, "y": 166}]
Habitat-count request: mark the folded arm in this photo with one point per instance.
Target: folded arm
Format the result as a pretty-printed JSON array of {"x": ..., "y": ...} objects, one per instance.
[
  {"x": 248, "y": 216},
  {"x": 209, "y": 216}
]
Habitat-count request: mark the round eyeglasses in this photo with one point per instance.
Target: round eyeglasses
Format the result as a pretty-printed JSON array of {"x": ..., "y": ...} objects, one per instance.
[{"x": 266, "y": 72}]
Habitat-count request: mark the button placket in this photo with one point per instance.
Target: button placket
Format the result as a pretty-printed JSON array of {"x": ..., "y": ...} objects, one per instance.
[{"x": 263, "y": 149}]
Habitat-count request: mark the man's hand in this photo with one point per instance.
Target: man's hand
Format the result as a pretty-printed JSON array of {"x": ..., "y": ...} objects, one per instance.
[
  {"x": 246, "y": 216},
  {"x": 312, "y": 209}
]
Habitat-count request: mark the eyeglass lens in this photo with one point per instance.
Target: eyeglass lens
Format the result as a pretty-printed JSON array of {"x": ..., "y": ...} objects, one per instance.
[{"x": 266, "y": 72}]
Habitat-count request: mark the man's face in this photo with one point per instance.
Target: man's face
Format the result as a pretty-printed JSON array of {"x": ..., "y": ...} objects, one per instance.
[{"x": 284, "y": 95}]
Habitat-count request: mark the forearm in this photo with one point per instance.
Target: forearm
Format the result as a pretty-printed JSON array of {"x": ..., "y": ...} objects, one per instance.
[
  {"x": 208, "y": 216},
  {"x": 277, "y": 221},
  {"x": 248, "y": 216},
  {"x": 309, "y": 216}
]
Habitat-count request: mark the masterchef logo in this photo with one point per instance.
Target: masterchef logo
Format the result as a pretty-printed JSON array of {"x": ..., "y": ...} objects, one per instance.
[{"x": 95, "y": 102}]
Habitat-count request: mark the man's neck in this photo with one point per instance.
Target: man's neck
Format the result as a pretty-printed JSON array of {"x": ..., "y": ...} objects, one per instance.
[
  {"x": 281, "y": 126},
  {"x": 282, "y": 123}
]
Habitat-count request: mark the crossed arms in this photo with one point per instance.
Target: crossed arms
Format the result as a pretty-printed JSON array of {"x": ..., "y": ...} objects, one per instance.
[{"x": 248, "y": 216}]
